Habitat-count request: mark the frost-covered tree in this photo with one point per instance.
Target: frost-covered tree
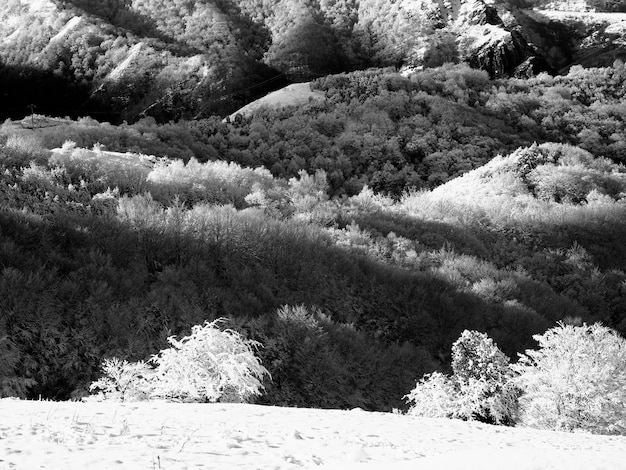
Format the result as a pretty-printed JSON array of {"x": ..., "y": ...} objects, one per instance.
[
  {"x": 434, "y": 396},
  {"x": 481, "y": 387},
  {"x": 483, "y": 375},
  {"x": 208, "y": 365},
  {"x": 123, "y": 380},
  {"x": 576, "y": 380},
  {"x": 475, "y": 355}
]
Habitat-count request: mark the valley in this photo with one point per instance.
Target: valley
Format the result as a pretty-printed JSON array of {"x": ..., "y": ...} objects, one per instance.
[{"x": 349, "y": 185}]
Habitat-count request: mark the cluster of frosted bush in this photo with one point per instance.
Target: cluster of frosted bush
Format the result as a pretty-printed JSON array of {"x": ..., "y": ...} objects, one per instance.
[
  {"x": 209, "y": 365},
  {"x": 576, "y": 380},
  {"x": 100, "y": 170},
  {"x": 218, "y": 182},
  {"x": 480, "y": 387}
]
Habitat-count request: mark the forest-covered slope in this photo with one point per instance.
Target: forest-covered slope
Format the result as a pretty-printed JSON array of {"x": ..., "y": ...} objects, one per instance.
[
  {"x": 384, "y": 130},
  {"x": 126, "y": 59},
  {"x": 354, "y": 237}
]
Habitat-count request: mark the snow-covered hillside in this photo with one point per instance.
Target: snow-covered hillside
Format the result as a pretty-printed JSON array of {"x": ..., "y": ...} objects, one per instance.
[
  {"x": 296, "y": 94},
  {"x": 586, "y": 17},
  {"x": 153, "y": 435}
]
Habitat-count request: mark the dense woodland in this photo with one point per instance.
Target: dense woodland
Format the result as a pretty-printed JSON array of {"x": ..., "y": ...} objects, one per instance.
[
  {"x": 391, "y": 133},
  {"x": 123, "y": 60},
  {"x": 354, "y": 237}
]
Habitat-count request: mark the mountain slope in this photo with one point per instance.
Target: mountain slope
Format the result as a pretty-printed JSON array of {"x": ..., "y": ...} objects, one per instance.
[
  {"x": 126, "y": 64},
  {"x": 125, "y": 59},
  {"x": 296, "y": 94},
  {"x": 568, "y": 38},
  {"x": 353, "y": 297}
]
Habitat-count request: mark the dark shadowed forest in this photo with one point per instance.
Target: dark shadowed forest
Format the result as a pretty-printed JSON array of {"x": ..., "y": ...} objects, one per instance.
[{"x": 355, "y": 238}]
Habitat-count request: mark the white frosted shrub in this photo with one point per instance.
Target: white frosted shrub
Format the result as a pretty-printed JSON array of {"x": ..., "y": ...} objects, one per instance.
[
  {"x": 213, "y": 181},
  {"x": 208, "y": 365},
  {"x": 123, "y": 380},
  {"x": 434, "y": 396},
  {"x": 481, "y": 386},
  {"x": 475, "y": 355},
  {"x": 369, "y": 201},
  {"x": 309, "y": 198},
  {"x": 483, "y": 375},
  {"x": 575, "y": 381},
  {"x": 273, "y": 200},
  {"x": 68, "y": 146},
  {"x": 487, "y": 401}
]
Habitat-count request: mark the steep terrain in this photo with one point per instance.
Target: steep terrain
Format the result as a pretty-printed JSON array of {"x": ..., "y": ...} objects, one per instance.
[
  {"x": 567, "y": 38},
  {"x": 120, "y": 62},
  {"x": 296, "y": 94},
  {"x": 354, "y": 224},
  {"x": 126, "y": 59},
  {"x": 355, "y": 282}
]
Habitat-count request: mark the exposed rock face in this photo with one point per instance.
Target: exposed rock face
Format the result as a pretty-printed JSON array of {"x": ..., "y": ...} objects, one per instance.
[
  {"x": 486, "y": 43},
  {"x": 477, "y": 13},
  {"x": 532, "y": 66},
  {"x": 504, "y": 55},
  {"x": 569, "y": 38}
]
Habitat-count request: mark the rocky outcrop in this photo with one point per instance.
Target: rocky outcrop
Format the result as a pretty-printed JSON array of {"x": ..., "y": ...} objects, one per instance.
[
  {"x": 487, "y": 44},
  {"x": 478, "y": 13},
  {"x": 502, "y": 56},
  {"x": 532, "y": 66},
  {"x": 570, "y": 38},
  {"x": 510, "y": 55},
  {"x": 472, "y": 31}
]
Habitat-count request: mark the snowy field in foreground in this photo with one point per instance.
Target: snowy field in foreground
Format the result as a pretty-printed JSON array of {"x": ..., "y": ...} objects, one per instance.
[{"x": 152, "y": 435}]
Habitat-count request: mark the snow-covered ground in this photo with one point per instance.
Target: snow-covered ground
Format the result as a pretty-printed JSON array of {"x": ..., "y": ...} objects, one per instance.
[
  {"x": 585, "y": 16},
  {"x": 70, "y": 26},
  {"x": 153, "y": 435},
  {"x": 295, "y": 94},
  {"x": 141, "y": 164},
  {"x": 123, "y": 66}
]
